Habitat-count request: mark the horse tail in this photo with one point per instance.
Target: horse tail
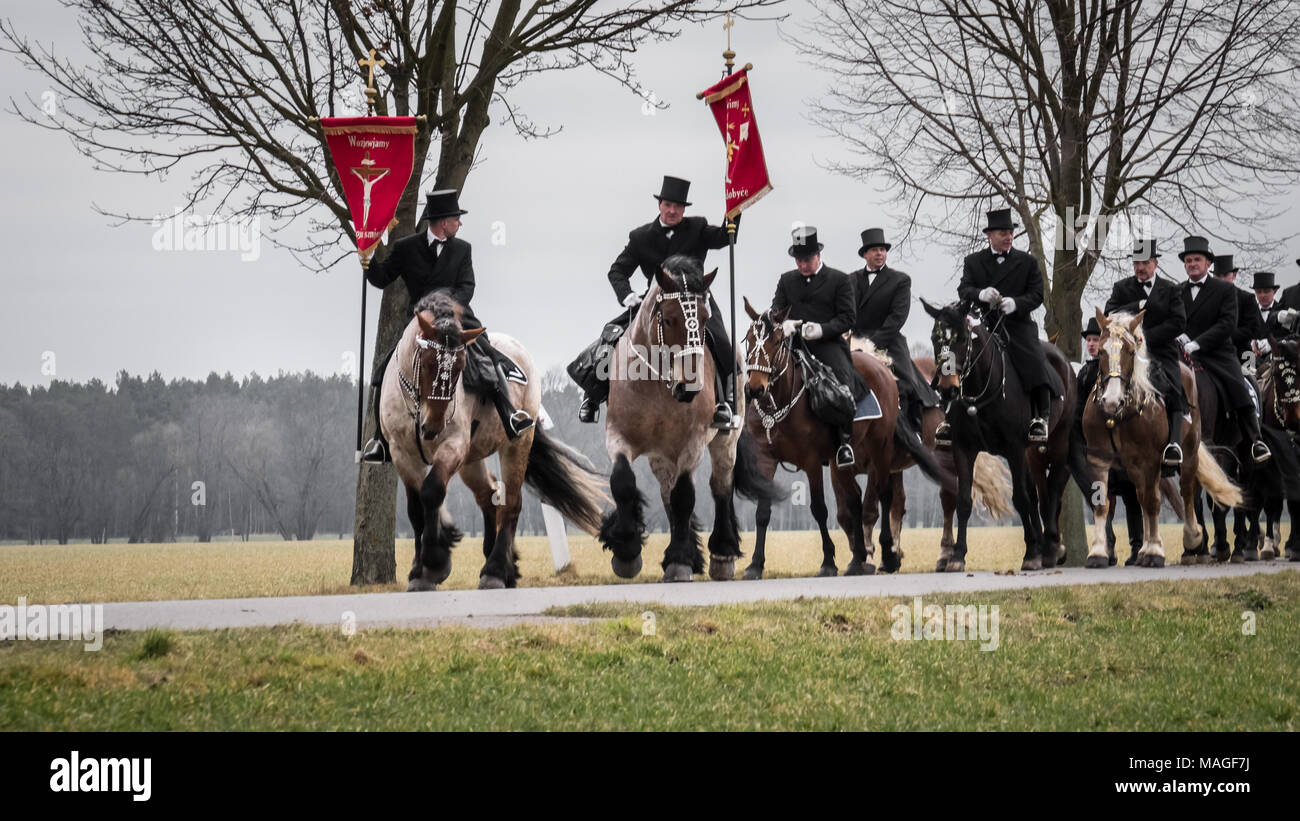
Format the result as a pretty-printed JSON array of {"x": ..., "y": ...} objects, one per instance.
[
  {"x": 747, "y": 479},
  {"x": 905, "y": 436},
  {"x": 991, "y": 485},
  {"x": 565, "y": 480},
  {"x": 1214, "y": 480}
]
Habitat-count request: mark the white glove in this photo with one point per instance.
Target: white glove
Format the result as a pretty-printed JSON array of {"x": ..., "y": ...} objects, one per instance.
[
  {"x": 811, "y": 330},
  {"x": 1191, "y": 347},
  {"x": 1008, "y": 305},
  {"x": 1262, "y": 347},
  {"x": 632, "y": 300},
  {"x": 1183, "y": 339},
  {"x": 788, "y": 326},
  {"x": 989, "y": 295},
  {"x": 1287, "y": 317}
]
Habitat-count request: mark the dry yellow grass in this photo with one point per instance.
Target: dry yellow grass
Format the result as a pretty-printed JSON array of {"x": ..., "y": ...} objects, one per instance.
[{"x": 147, "y": 572}]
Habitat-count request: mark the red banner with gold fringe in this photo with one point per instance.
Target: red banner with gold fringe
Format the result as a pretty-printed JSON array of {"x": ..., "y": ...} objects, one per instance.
[
  {"x": 747, "y": 179},
  {"x": 374, "y": 157}
]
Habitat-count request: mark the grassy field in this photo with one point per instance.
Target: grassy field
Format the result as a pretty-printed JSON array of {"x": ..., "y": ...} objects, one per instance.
[
  {"x": 1149, "y": 656},
  {"x": 188, "y": 570}
]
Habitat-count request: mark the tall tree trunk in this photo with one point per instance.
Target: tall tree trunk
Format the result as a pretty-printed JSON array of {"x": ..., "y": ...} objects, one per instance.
[{"x": 1065, "y": 319}]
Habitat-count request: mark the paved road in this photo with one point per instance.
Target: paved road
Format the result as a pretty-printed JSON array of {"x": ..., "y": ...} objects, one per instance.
[{"x": 494, "y": 608}]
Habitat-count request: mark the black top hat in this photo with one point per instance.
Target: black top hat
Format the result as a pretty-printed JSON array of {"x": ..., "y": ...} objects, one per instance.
[
  {"x": 1144, "y": 249},
  {"x": 674, "y": 189},
  {"x": 1093, "y": 328},
  {"x": 1263, "y": 280},
  {"x": 1000, "y": 220},
  {"x": 805, "y": 242},
  {"x": 871, "y": 238},
  {"x": 439, "y": 204},
  {"x": 1196, "y": 245},
  {"x": 1223, "y": 265}
]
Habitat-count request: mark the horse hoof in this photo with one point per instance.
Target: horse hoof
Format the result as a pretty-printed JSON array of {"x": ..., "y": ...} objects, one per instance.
[
  {"x": 828, "y": 571},
  {"x": 1237, "y": 558},
  {"x": 857, "y": 568},
  {"x": 420, "y": 585},
  {"x": 1031, "y": 564},
  {"x": 940, "y": 565},
  {"x": 1094, "y": 562},
  {"x": 1188, "y": 559},
  {"x": 1267, "y": 555},
  {"x": 753, "y": 574},
  {"x": 625, "y": 570},
  {"x": 490, "y": 583},
  {"x": 955, "y": 566},
  {"x": 722, "y": 570},
  {"x": 677, "y": 573},
  {"x": 1204, "y": 558},
  {"x": 1251, "y": 555},
  {"x": 1155, "y": 561}
]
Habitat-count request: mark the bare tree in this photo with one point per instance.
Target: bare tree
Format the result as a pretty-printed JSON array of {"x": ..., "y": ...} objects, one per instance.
[
  {"x": 1097, "y": 122},
  {"x": 227, "y": 89}
]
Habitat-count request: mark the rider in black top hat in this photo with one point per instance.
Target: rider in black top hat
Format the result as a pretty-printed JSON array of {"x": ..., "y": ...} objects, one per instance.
[
  {"x": 427, "y": 261},
  {"x": 1008, "y": 280},
  {"x": 647, "y": 248},
  {"x": 1211, "y": 306},
  {"x": 884, "y": 299},
  {"x": 819, "y": 300},
  {"x": 1250, "y": 324},
  {"x": 1164, "y": 320},
  {"x": 1264, "y": 285}
]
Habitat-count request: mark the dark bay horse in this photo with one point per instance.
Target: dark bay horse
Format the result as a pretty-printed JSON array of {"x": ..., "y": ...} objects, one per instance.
[
  {"x": 436, "y": 430},
  {"x": 988, "y": 411},
  {"x": 781, "y": 421},
  {"x": 1124, "y": 425},
  {"x": 661, "y": 401},
  {"x": 1280, "y": 399}
]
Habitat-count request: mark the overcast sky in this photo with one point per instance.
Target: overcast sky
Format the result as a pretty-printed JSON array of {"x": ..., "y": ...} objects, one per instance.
[{"x": 101, "y": 298}]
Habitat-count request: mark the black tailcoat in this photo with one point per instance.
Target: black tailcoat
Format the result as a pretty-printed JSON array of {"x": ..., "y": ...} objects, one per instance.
[
  {"x": 1164, "y": 321},
  {"x": 1250, "y": 322},
  {"x": 1290, "y": 297},
  {"x": 881, "y": 311},
  {"x": 827, "y": 299},
  {"x": 1017, "y": 277},
  {"x": 1211, "y": 319},
  {"x": 413, "y": 260}
]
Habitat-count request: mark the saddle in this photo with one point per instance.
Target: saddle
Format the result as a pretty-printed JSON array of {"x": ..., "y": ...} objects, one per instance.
[{"x": 830, "y": 400}]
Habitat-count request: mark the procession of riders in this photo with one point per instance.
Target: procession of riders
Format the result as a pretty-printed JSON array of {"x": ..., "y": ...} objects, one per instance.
[{"x": 1205, "y": 322}]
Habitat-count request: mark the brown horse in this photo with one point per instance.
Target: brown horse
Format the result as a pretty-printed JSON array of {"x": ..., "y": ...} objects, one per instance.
[
  {"x": 436, "y": 430},
  {"x": 1280, "y": 400},
  {"x": 990, "y": 482},
  {"x": 1124, "y": 425},
  {"x": 661, "y": 402},
  {"x": 781, "y": 420}
]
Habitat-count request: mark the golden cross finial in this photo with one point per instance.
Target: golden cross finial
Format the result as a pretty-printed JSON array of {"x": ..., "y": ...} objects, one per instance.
[
  {"x": 727, "y": 26},
  {"x": 371, "y": 63}
]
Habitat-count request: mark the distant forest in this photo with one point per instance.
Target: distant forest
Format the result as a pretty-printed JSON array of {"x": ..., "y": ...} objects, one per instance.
[{"x": 150, "y": 460}]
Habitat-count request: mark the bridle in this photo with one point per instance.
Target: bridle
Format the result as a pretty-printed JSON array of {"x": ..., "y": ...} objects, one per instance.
[
  {"x": 442, "y": 385},
  {"x": 1113, "y": 345},
  {"x": 944, "y": 338},
  {"x": 784, "y": 355},
  {"x": 1283, "y": 371},
  {"x": 690, "y": 306}
]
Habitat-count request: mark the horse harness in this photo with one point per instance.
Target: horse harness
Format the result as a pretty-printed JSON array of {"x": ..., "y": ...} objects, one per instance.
[
  {"x": 988, "y": 393},
  {"x": 442, "y": 387},
  {"x": 694, "y": 337},
  {"x": 771, "y": 417}
]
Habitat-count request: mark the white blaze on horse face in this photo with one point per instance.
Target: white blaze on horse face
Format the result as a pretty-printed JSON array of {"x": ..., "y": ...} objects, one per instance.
[{"x": 1113, "y": 395}]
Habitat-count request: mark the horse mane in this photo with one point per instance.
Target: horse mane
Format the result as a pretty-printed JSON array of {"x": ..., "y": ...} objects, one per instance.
[
  {"x": 446, "y": 312},
  {"x": 1143, "y": 390},
  {"x": 683, "y": 268},
  {"x": 865, "y": 345}
]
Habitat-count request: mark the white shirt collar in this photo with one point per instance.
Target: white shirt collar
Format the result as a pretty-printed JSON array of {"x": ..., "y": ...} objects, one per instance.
[{"x": 431, "y": 236}]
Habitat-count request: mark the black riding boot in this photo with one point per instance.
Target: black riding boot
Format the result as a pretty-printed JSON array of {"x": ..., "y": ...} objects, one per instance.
[
  {"x": 724, "y": 366},
  {"x": 514, "y": 421},
  {"x": 591, "y": 371},
  {"x": 1172, "y": 462},
  {"x": 1250, "y": 432},
  {"x": 844, "y": 457},
  {"x": 1040, "y": 405},
  {"x": 375, "y": 451}
]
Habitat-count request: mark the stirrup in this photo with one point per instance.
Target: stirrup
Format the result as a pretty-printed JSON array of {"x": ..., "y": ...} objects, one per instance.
[
  {"x": 1036, "y": 424},
  {"x": 375, "y": 452},
  {"x": 1260, "y": 452},
  {"x": 589, "y": 411},
  {"x": 844, "y": 457},
  {"x": 519, "y": 422},
  {"x": 1171, "y": 465},
  {"x": 723, "y": 418},
  {"x": 943, "y": 435}
]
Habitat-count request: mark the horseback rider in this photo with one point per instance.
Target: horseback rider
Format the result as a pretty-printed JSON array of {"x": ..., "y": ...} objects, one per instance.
[
  {"x": 1290, "y": 304},
  {"x": 428, "y": 261},
  {"x": 1165, "y": 319},
  {"x": 1250, "y": 323},
  {"x": 1270, "y": 310},
  {"x": 1211, "y": 306},
  {"x": 884, "y": 299},
  {"x": 821, "y": 298},
  {"x": 647, "y": 248},
  {"x": 1009, "y": 280}
]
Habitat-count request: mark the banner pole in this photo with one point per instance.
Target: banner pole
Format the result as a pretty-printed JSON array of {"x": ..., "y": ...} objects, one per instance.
[
  {"x": 729, "y": 63},
  {"x": 361, "y": 363}
]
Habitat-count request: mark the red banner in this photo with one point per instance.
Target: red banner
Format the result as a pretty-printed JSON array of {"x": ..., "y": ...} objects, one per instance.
[
  {"x": 373, "y": 157},
  {"x": 747, "y": 179}
]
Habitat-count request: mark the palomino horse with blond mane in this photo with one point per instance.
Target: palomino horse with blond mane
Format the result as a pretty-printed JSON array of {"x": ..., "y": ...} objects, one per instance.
[
  {"x": 1124, "y": 425},
  {"x": 661, "y": 401},
  {"x": 436, "y": 430}
]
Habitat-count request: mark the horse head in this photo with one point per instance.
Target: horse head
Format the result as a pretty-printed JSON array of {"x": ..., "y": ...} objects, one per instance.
[
  {"x": 439, "y": 361},
  {"x": 1284, "y": 369},
  {"x": 1117, "y": 360},
  {"x": 767, "y": 350},
  {"x": 953, "y": 336},
  {"x": 678, "y": 314}
]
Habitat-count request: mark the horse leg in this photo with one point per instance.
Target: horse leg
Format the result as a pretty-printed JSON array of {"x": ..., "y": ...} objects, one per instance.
[
  {"x": 1152, "y": 553},
  {"x": 622, "y": 531},
  {"x": 1134, "y": 513},
  {"x": 724, "y": 541},
  {"x": 897, "y": 510},
  {"x": 1272, "y": 526},
  {"x": 817, "y": 505},
  {"x": 502, "y": 566},
  {"x": 1200, "y": 554},
  {"x": 947, "y": 501},
  {"x": 682, "y": 559},
  {"x": 963, "y": 463},
  {"x": 1020, "y": 498},
  {"x": 438, "y": 536},
  {"x": 1101, "y": 549},
  {"x": 1049, "y": 505},
  {"x": 762, "y": 517},
  {"x": 849, "y": 513},
  {"x": 1193, "y": 532},
  {"x": 482, "y": 484},
  {"x": 1221, "y": 549},
  {"x": 415, "y": 512},
  {"x": 1110, "y": 524},
  {"x": 890, "y": 558},
  {"x": 1293, "y": 537}
]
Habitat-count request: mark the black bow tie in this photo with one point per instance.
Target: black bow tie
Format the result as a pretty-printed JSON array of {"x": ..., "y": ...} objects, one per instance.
[{"x": 999, "y": 257}]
